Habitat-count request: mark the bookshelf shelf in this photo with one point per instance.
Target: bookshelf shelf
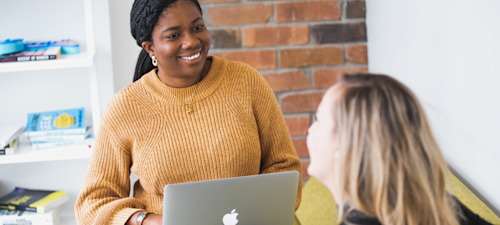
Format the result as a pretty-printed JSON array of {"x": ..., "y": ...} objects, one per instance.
[
  {"x": 68, "y": 220},
  {"x": 84, "y": 59},
  {"x": 25, "y": 154}
]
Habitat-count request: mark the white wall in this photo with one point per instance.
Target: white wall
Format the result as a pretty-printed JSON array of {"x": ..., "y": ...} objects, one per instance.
[
  {"x": 448, "y": 53},
  {"x": 125, "y": 50}
]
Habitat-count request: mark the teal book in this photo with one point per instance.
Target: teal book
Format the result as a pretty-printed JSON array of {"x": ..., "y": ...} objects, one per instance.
[{"x": 62, "y": 122}]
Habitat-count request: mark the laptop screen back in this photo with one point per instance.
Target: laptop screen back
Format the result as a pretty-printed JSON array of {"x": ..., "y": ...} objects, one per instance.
[{"x": 258, "y": 199}]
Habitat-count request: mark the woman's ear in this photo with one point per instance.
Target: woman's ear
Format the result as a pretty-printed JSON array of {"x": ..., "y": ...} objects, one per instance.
[{"x": 148, "y": 46}]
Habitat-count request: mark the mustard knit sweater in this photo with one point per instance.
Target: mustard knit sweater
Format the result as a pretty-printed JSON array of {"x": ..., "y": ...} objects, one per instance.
[{"x": 236, "y": 129}]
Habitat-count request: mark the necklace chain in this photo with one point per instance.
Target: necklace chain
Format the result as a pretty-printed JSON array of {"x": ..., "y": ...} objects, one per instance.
[{"x": 189, "y": 108}]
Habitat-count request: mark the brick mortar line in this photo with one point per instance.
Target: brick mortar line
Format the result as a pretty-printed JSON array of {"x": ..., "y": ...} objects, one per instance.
[
  {"x": 286, "y": 47},
  {"x": 305, "y": 91},
  {"x": 285, "y": 1},
  {"x": 279, "y": 24},
  {"x": 347, "y": 65},
  {"x": 234, "y": 3},
  {"x": 309, "y": 91},
  {"x": 343, "y": 15},
  {"x": 243, "y": 2},
  {"x": 273, "y": 14},
  {"x": 295, "y": 115},
  {"x": 310, "y": 74}
]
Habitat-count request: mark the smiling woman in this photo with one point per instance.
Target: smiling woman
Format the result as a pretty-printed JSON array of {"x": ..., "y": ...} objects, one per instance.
[
  {"x": 180, "y": 43},
  {"x": 187, "y": 117}
]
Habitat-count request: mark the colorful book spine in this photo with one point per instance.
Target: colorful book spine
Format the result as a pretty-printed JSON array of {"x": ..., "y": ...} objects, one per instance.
[
  {"x": 42, "y": 54},
  {"x": 11, "y": 148},
  {"x": 89, "y": 140},
  {"x": 59, "y": 138}
]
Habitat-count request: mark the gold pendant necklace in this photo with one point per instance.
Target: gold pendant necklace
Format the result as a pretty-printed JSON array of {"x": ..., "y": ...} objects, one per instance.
[{"x": 189, "y": 108}]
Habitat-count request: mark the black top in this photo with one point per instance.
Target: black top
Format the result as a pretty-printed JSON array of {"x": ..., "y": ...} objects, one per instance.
[{"x": 358, "y": 218}]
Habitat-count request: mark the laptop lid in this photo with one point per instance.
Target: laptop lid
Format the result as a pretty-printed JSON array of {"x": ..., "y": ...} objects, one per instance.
[{"x": 257, "y": 199}]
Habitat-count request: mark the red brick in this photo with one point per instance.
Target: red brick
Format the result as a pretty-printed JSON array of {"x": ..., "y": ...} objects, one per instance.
[
  {"x": 307, "y": 11},
  {"x": 357, "y": 54},
  {"x": 259, "y": 59},
  {"x": 273, "y": 36},
  {"x": 225, "y": 38},
  {"x": 300, "y": 145},
  {"x": 216, "y": 1},
  {"x": 305, "y": 175},
  {"x": 301, "y": 102},
  {"x": 311, "y": 57},
  {"x": 297, "y": 126},
  {"x": 240, "y": 14},
  {"x": 288, "y": 81},
  {"x": 355, "y": 9},
  {"x": 325, "y": 78},
  {"x": 338, "y": 33}
]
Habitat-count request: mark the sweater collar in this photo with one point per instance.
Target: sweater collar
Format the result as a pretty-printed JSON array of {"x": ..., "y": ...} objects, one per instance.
[{"x": 172, "y": 96}]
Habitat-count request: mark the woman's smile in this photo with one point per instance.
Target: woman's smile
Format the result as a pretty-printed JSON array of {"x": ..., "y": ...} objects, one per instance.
[{"x": 192, "y": 57}]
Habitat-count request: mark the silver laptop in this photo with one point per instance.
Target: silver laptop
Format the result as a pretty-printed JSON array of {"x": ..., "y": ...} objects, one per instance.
[{"x": 258, "y": 199}]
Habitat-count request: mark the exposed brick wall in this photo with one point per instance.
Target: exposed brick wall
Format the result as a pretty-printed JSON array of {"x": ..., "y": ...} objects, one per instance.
[{"x": 301, "y": 47}]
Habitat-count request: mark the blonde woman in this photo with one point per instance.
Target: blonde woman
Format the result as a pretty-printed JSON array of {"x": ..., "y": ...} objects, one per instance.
[{"x": 373, "y": 148}]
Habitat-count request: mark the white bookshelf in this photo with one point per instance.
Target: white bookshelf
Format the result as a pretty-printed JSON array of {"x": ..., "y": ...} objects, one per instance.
[
  {"x": 67, "y": 220},
  {"x": 25, "y": 154},
  {"x": 84, "y": 59},
  {"x": 72, "y": 81}
]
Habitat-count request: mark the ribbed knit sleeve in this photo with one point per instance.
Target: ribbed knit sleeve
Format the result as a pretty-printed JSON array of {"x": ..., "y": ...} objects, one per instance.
[
  {"x": 278, "y": 152},
  {"x": 104, "y": 198}
]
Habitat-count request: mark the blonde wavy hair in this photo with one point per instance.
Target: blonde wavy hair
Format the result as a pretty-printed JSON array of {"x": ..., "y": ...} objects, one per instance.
[{"x": 390, "y": 166}]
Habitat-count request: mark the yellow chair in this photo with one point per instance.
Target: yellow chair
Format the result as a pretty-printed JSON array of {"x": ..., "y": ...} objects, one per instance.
[{"x": 318, "y": 206}]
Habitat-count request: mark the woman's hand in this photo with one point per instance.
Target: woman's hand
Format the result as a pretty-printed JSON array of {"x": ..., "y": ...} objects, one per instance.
[{"x": 151, "y": 219}]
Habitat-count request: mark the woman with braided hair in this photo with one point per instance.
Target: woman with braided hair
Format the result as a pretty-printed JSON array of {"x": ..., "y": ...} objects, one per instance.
[{"x": 187, "y": 117}]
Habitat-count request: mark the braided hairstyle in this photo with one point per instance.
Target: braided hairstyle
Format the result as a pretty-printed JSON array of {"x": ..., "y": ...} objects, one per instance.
[{"x": 143, "y": 18}]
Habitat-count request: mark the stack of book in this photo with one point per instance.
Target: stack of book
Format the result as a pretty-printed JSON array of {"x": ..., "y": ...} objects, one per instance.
[
  {"x": 19, "y": 51},
  {"x": 9, "y": 138},
  {"x": 58, "y": 129},
  {"x": 31, "y": 207}
]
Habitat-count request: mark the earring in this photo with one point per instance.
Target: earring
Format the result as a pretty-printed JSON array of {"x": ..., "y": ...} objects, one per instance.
[{"x": 155, "y": 62}]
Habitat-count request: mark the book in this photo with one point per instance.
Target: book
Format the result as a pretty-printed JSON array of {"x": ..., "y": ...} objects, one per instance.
[
  {"x": 62, "y": 122},
  {"x": 39, "y": 201},
  {"x": 11, "y": 46},
  {"x": 58, "y": 138},
  {"x": 11, "y": 148},
  {"x": 9, "y": 132},
  {"x": 18, "y": 217},
  {"x": 35, "y": 55},
  {"x": 88, "y": 141}
]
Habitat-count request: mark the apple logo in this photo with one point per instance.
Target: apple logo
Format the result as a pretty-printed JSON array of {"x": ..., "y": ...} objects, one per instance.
[{"x": 230, "y": 218}]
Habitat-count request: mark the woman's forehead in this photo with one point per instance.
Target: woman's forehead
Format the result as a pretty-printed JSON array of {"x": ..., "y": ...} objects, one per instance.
[
  {"x": 329, "y": 99},
  {"x": 180, "y": 8}
]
